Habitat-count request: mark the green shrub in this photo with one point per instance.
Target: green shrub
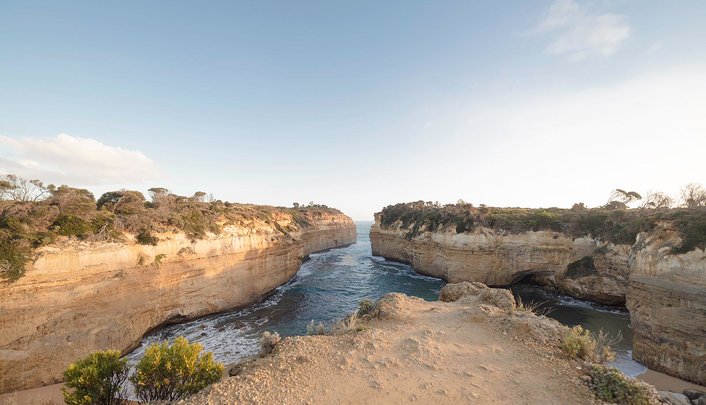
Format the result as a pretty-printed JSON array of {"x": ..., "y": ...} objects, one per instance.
[
  {"x": 14, "y": 255},
  {"x": 169, "y": 373},
  {"x": 195, "y": 224},
  {"x": 71, "y": 225},
  {"x": 578, "y": 343},
  {"x": 144, "y": 237},
  {"x": 692, "y": 228},
  {"x": 96, "y": 379},
  {"x": 158, "y": 260},
  {"x": 610, "y": 385},
  {"x": 366, "y": 306}
]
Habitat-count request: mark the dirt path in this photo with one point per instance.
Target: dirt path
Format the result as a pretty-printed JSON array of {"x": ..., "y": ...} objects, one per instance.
[{"x": 429, "y": 352}]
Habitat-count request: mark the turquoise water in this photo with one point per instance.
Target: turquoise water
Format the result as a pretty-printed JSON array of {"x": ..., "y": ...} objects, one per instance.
[{"x": 329, "y": 286}]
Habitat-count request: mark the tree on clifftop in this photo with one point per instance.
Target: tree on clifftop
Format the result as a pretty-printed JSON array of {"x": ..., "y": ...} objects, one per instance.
[
  {"x": 693, "y": 195},
  {"x": 19, "y": 189},
  {"x": 122, "y": 202},
  {"x": 658, "y": 200},
  {"x": 621, "y": 198}
]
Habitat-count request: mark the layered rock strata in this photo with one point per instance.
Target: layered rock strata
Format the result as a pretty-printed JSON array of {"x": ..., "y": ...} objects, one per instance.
[
  {"x": 667, "y": 304},
  {"x": 582, "y": 267},
  {"x": 79, "y": 297},
  {"x": 665, "y": 292}
]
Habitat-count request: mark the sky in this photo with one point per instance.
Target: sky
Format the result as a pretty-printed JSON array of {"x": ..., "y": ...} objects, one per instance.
[{"x": 357, "y": 105}]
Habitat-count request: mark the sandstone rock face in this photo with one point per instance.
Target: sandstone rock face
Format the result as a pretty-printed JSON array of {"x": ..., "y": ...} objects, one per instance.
[
  {"x": 666, "y": 293},
  {"x": 581, "y": 267},
  {"x": 82, "y": 297},
  {"x": 667, "y": 303}
]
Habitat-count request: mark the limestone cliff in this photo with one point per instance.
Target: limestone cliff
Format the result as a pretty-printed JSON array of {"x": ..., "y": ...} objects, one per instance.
[
  {"x": 582, "y": 267},
  {"x": 78, "y": 297},
  {"x": 667, "y": 303},
  {"x": 665, "y": 291}
]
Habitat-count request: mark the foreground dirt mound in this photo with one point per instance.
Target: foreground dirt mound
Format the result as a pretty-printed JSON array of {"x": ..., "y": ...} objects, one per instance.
[{"x": 468, "y": 351}]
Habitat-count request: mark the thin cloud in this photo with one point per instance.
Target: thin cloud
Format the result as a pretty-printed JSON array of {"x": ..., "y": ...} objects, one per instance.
[
  {"x": 75, "y": 161},
  {"x": 582, "y": 34}
]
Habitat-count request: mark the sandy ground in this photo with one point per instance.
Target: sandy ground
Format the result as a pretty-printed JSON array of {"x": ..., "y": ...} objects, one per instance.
[{"x": 431, "y": 352}]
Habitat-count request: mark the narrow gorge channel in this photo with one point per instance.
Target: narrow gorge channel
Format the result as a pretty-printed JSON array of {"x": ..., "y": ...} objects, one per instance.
[
  {"x": 331, "y": 283},
  {"x": 327, "y": 287}
]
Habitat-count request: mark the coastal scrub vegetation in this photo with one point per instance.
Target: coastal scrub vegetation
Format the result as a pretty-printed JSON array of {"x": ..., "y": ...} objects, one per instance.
[
  {"x": 165, "y": 373},
  {"x": 580, "y": 343},
  {"x": 614, "y": 222},
  {"x": 172, "y": 372},
  {"x": 33, "y": 214},
  {"x": 366, "y": 306},
  {"x": 98, "y": 378},
  {"x": 611, "y": 385},
  {"x": 535, "y": 307}
]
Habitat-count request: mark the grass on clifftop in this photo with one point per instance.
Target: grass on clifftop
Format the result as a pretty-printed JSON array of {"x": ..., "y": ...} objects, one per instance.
[
  {"x": 619, "y": 226},
  {"x": 34, "y": 215}
]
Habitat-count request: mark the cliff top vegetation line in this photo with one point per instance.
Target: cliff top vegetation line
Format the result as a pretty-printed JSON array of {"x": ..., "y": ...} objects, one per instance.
[
  {"x": 33, "y": 215},
  {"x": 613, "y": 222}
]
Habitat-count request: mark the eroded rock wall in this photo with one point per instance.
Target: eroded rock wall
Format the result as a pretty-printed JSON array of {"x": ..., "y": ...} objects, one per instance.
[
  {"x": 82, "y": 297},
  {"x": 582, "y": 267},
  {"x": 665, "y": 292},
  {"x": 667, "y": 304}
]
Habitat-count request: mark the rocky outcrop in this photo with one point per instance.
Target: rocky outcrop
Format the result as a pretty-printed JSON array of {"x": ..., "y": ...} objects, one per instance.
[
  {"x": 667, "y": 304},
  {"x": 582, "y": 267},
  {"x": 80, "y": 297},
  {"x": 666, "y": 292}
]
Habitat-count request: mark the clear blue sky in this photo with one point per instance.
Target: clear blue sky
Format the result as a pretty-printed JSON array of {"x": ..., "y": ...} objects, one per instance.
[{"x": 357, "y": 104}]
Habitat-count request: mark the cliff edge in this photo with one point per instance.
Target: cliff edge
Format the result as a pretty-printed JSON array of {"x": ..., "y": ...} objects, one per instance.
[
  {"x": 478, "y": 349},
  {"x": 76, "y": 296},
  {"x": 651, "y": 260}
]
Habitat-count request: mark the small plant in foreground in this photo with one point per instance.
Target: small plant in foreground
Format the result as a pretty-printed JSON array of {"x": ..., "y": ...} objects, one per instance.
[
  {"x": 604, "y": 345},
  {"x": 610, "y": 385},
  {"x": 268, "y": 341},
  {"x": 348, "y": 324},
  {"x": 169, "y": 373},
  {"x": 533, "y": 307},
  {"x": 315, "y": 329},
  {"x": 578, "y": 343},
  {"x": 366, "y": 306},
  {"x": 96, "y": 379}
]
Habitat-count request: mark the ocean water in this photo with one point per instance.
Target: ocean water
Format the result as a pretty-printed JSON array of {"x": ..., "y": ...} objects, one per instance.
[
  {"x": 594, "y": 317},
  {"x": 329, "y": 286}
]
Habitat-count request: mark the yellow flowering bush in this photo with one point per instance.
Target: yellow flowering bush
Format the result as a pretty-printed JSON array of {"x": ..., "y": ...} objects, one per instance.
[
  {"x": 169, "y": 373},
  {"x": 96, "y": 379}
]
